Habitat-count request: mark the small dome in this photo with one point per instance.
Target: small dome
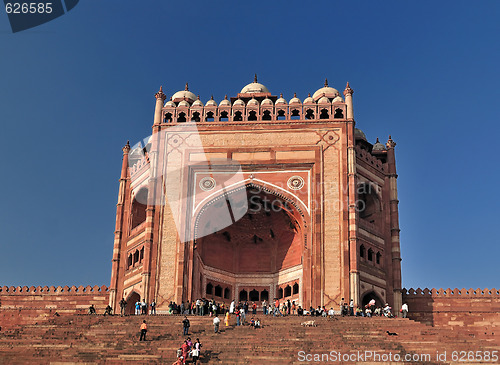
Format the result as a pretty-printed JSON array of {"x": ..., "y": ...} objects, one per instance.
[
  {"x": 211, "y": 102},
  {"x": 225, "y": 102},
  {"x": 309, "y": 100},
  {"x": 253, "y": 101},
  {"x": 183, "y": 103},
  {"x": 327, "y": 91},
  {"x": 239, "y": 102},
  {"x": 169, "y": 103},
  {"x": 295, "y": 100},
  {"x": 338, "y": 99},
  {"x": 281, "y": 100},
  {"x": 197, "y": 102},
  {"x": 324, "y": 100},
  {"x": 358, "y": 134},
  {"x": 254, "y": 87},
  {"x": 378, "y": 146},
  {"x": 266, "y": 101},
  {"x": 185, "y": 94}
]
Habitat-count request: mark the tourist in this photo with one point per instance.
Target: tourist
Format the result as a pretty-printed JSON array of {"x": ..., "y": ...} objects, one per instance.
[
  {"x": 144, "y": 329},
  {"x": 226, "y": 319},
  {"x": 195, "y": 352},
  {"x": 185, "y": 350},
  {"x": 254, "y": 308},
  {"x": 153, "y": 307},
  {"x": 264, "y": 307},
  {"x": 331, "y": 313},
  {"x": 294, "y": 308},
  {"x": 108, "y": 310},
  {"x": 342, "y": 309},
  {"x": 387, "y": 311},
  {"x": 123, "y": 305},
  {"x": 92, "y": 309},
  {"x": 404, "y": 310},
  {"x": 300, "y": 311},
  {"x": 257, "y": 323},
  {"x": 371, "y": 304},
  {"x": 137, "y": 307},
  {"x": 377, "y": 311},
  {"x": 288, "y": 306},
  {"x": 189, "y": 342},
  {"x": 185, "y": 326},
  {"x": 368, "y": 312},
  {"x": 216, "y": 323},
  {"x": 144, "y": 307},
  {"x": 231, "y": 307},
  {"x": 243, "y": 315},
  {"x": 237, "y": 312},
  {"x": 351, "y": 307},
  {"x": 179, "y": 353}
]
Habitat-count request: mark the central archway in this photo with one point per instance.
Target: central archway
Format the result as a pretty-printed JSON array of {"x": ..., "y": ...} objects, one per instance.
[{"x": 257, "y": 255}]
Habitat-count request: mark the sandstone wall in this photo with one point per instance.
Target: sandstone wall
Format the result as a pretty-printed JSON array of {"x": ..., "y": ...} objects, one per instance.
[
  {"x": 476, "y": 310},
  {"x": 23, "y": 305}
]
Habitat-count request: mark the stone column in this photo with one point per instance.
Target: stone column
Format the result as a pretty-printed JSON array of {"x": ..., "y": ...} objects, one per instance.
[
  {"x": 153, "y": 196},
  {"x": 115, "y": 266},
  {"x": 348, "y": 100},
  {"x": 353, "y": 214},
  {"x": 395, "y": 243}
]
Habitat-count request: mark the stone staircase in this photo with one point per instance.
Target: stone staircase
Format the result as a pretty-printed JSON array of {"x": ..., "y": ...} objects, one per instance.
[{"x": 96, "y": 339}]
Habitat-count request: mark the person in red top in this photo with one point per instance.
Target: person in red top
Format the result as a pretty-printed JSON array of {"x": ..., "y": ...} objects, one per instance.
[
  {"x": 144, "y": 329},
  {"x": 254, "y": 308},
  {"x": 185, "y": 350}
]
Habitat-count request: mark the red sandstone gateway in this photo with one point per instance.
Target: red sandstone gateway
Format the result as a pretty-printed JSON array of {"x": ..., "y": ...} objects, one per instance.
[{"x": 257, "y": 197}]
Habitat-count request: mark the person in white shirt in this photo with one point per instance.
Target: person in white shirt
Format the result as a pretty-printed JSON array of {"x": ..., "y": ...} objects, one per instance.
[
  {"x": 404, "y": 310},
  {"x": 231, "y": 307},
  {"x": 216, "y": 323}
]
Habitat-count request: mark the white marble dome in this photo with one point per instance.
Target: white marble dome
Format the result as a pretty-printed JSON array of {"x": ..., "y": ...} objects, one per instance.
[{"x": 327, "y": 91}]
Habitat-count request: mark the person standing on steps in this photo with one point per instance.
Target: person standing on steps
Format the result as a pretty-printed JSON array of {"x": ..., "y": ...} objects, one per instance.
[
  {"x": 185, "y": 326},
  {"x": 404, "y": 310},
  {"x": 196, "y": 351},
  {"x": 123, "y": 305},
  {"x": 144, "y": 329},
  {"x": 216, "y": 323},
  {"x": 351, "y": 307},
  {"x": 185, "y": 350},
  {"x": 153, "y": 307},
  {"x": 227, "y": 319}
]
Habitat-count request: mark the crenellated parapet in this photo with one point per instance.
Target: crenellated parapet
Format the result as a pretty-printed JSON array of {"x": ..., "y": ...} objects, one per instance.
[
  {"x": 46, "y": 290},
  {"x": 451, "y": 293}
]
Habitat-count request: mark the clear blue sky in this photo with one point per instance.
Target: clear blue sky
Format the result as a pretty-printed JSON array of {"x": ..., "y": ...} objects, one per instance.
[{"x": 74, "y": 90}]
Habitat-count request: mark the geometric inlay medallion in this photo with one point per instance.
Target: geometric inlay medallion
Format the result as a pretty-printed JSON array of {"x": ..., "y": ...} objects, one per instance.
[
  {"x": 295, "y": 183},
  {"x": 207, "y": 183}
]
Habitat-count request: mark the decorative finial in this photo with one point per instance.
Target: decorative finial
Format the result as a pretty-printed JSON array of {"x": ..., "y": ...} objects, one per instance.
[
  {"x": 160, "y": 94},
  {"x": 348, "y": 89},
  {"x": 225, "y": 97},
  {"x": 198, "y": 96},
  {"x": 281, "y": 95},
  {"x": 187, "y": 87},
  {"x": 126, "y": 148},
  {"x": 308, "y": 95},
  {"x": 326, "y": 82},
  {"x": 212, "y": 97},
  {"x": 255, "y": 78},
  {"x": 294, "y": 95},
  {"x": 377, "y": 140},
  {"x": 390, "y": 143}
]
